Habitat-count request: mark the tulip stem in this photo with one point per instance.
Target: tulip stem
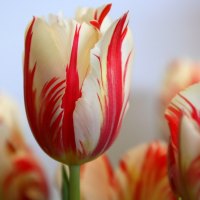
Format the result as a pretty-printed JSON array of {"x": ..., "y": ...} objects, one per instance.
[
  {"x": 65, "y": 184},
  {"x": 74, "y": 182}
]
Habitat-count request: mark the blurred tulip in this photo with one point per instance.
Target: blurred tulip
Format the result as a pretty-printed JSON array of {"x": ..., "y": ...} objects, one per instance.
[
  {"x": 179, "y": 75},
  {"x": 76, "y": 83},
  {"x": 143, "y": 173},
  {"x": 21, "y": 177},
  {"x": 183, "y": 115},
  {"x": 10, "y": 130},
  {"x": 98, "y": 180}
]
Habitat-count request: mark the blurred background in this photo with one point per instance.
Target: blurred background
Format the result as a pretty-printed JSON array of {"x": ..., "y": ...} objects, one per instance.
[{"x": 162, "y": 30}]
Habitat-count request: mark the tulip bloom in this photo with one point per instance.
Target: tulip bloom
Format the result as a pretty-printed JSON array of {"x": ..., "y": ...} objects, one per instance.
[
  {"x": 21, "y": 176},
  {"x": 183, "y": 115},
  {"x": 143, "y": 173},
  {"x": 179, "y": 75},
  {"x": 76, "y": 82}
]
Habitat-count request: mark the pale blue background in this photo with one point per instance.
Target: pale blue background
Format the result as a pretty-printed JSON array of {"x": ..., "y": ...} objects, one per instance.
[{"x": 163, "y": 30}]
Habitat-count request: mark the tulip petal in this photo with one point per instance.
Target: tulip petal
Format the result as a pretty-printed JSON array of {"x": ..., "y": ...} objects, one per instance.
[
  {"x": 97, "y": 17},
  {"x": 97, "y": 180},
  {"x": 103, "y": 104},
  {"x": 143, "y": 173},
  {"x": 47, "y": 96},
  {"x": 192, "y": 178},
  {"x": 184, "y": 109},
  {"x": 112, "y": 69}
]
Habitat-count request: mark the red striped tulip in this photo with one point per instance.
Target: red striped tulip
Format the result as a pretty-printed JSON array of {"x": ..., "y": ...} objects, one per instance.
[
  {"x": 179, "y": 75},
  {"x": 76, "y": 83},
  {"x": 143, "y": 173},
  {"x": 21, "y": 176},
  {"x": 183, "y": 115}
]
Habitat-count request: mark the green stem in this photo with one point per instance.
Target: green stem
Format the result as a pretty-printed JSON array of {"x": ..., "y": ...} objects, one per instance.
[
  {"x": 65, "y": 185},
  {"x": 74, "y": 182}
]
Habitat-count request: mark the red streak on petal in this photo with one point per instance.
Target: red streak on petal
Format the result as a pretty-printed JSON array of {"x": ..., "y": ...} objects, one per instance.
[
  {"x": 72, "y": 94},
  {"x": 153, "y": 173},
  {"x": 40, "y": 122},
  {"x": 174, "y": 122},
  {"x": 195, "y": 113},
  {"x": 10, "y": 147},
  {"x": 104, "y": 13},
  {"x": 124, "y": 168},
  {"x": 49, "y": 124},
  {"x": 109, "y": 170},
  {"x": 114, "y": 101},
  {"x": 29, "y": 92},
  {"x": 173, "y": 168},
  {"x": 126, "y": 66},
  {"x": 97, "y": 22},
  {"x": 95, "y": 15}
]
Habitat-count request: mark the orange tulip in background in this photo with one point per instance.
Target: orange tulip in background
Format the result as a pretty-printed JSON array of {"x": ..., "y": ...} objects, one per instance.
[{"x": 21, "y": 176}]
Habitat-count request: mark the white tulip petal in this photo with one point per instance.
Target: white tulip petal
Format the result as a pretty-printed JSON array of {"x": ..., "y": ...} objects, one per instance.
[
  {"x": 87, "y": 117},
  {"x": 92, "y": 14}
]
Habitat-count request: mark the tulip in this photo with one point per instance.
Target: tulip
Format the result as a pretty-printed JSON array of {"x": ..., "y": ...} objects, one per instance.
[
  {"x": 183, "y": 118},
  {"x": 142, "y": 173},
  {"x": 98, "y": 180},
  {"x": 76, "y": 83},
  {"x": 10, "y": 130},
  {"x": 21, "y": 176},
  {"x": 179, "y": 75}
]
